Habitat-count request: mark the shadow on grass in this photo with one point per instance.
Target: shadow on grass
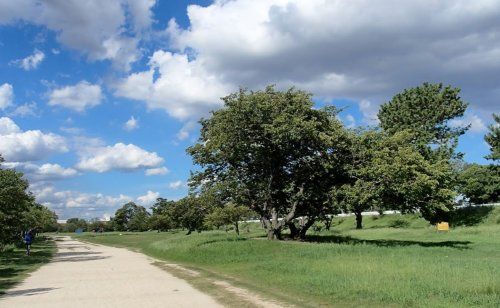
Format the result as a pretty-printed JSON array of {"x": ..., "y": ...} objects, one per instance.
[
  {"x": 15, "y": 263},
  {"x": 470, "y": 216},
  {"x": 339, "y": 239}
]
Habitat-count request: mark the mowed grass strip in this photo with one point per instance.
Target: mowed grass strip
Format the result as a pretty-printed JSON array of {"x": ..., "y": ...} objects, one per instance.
[
  {"x": 15, "y": 265},
  {"x": 377, "y": 266}
]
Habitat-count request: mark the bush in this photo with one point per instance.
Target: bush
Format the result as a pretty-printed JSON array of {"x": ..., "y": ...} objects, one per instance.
[{"x": 399, "y": 223}]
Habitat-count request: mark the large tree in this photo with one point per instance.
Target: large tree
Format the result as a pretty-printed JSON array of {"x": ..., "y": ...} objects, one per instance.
[
  {"x": 265, "y": 148},
  {"x": 493, "y": 139},
  {"x": 426, "y": 111}
]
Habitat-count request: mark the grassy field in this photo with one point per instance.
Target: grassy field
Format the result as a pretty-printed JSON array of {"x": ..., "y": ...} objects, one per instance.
[
  {"x": 15, "y": 265},
  {"x": 411, "y": 265}
]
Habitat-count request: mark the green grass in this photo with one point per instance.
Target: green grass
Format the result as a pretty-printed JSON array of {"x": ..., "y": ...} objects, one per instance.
[
  {"x": 377, "y": 266},
  {"x": 15, "y": 265}
]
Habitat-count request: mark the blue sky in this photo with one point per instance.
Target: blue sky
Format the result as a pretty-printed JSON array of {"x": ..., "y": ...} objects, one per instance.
[{"x": 99, "y": 100}]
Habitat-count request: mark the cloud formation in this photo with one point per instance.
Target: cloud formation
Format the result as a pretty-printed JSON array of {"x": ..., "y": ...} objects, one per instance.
[
  {"x": 31, "y": 61},
  {"x": 345, "y": 49},
  {"x": 31, "y": 145},
  {"x": 79, "y": 97},
  {"x": 45, "y": 172},
  {"x": 101, "y": 30},
  {"x": 157, "y": 171},
  {"x": 6, "y": 95},
  {"x": 124, "y": 157},
  {"x": 131, "y": 124}
]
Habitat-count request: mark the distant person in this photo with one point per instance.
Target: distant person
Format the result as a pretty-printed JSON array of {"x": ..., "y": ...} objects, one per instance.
[{"x": 28, "y": 239}]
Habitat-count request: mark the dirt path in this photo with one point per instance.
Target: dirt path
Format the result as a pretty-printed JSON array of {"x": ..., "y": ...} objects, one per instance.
[{"x": 86, "y": 275}]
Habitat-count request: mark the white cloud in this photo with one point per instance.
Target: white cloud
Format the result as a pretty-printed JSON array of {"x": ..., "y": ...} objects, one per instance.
[
  {"x": 148, "y": 199},
  {"x": 349, "y": 121},
  {"x": 186, "y": 129},
  {"x": 101, "y": 30},
  {"x": 176, "y": 185},
  {"x": 157, "y": 171},
  {"x": 6, "y": 95},
  {"x": 120, "y": 157},
  {"x": 476, "y": 123},
  {"x": 43, "y": 172},
  {"x": 28, "y": 109},
  {"x": 346, "y": 49},
  {"x": 79, "y": 97},
  {"x": 7, "y": 126},
  {"x": 131, "y": 124},
  {"x": 31, "y": 145},
  {"x": 68, "y": 203},
  {"x": 369, "y": 112},
  {"x": 31, "y": 61},
  {"x": 185, "y": 89}
]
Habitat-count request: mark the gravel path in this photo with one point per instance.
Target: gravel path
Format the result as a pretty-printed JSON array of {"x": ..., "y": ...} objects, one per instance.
[{"x": 87, "y": 275}]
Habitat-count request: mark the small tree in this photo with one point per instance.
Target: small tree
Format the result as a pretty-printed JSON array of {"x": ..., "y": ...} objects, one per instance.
[
  {"x": 230, "y": 214},
  {"x": 480, "y": 184},
  {"x": 493, "y": 139}
]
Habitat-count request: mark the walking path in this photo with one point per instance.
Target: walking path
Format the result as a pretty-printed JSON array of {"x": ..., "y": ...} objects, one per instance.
[{"x": 87, "y": 275}]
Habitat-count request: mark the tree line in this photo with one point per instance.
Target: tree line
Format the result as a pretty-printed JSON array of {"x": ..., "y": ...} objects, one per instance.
[{"x": 273, "y": 156}]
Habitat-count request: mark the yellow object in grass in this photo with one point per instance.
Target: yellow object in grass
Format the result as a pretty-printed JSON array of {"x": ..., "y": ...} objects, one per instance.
[{"x": 443, "y": 226}]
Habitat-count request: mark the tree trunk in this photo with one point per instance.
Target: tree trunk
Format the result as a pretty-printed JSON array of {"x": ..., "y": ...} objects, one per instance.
[
  {"x": 294, "y": 231},
  {"x": 305, "y": 227},
  {"x": 236, "y": 228},
  {"x": 359, "y": 220},
  {"x": 328, "y": 223}
]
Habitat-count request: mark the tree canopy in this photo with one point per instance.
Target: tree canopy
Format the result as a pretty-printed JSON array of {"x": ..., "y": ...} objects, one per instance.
[
  {"x": 426, "y": 111},
  {"x": 262, "y": 145}
]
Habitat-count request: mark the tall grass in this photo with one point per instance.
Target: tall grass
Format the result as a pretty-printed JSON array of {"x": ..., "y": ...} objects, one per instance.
[{"x": 378, "y": 266}]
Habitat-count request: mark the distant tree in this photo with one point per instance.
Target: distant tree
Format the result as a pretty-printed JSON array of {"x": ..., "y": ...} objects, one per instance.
[
  {"x": 265, "y": 149},
  {"x": 387, "y": 172},
  {"x": 131, "y": 217},
  {"x": 480, "y": 184},
  {"x": 15, "y": 201},
  {"x": 161, "y": 219},
  {"x": 189, "y": 213},
  {"x": 426, "y": 111},
  {"x": 493, "y": 139},
  {"x": 74, "y": 224},
  {"x": 230, "y": 214}
]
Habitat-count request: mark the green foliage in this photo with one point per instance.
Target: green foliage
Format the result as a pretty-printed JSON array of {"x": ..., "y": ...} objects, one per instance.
[
  {"x": 425, "y": 111},
  {"x": 41, "y": 218},
  {"x": 131, "y": 217},
  {"x": 190, "y": 212},
  {"x": 161, "y": 219},
  {"x": 272, "y": 152},
  {"x": 15, "y": 201},
  {"x": 230, "y": 214},
  {"x": 74, "y": 224},
  {"x": 480, "y": 184},
  {"x": 387, "y": 172},
  {"x": 493, "y": 139}
]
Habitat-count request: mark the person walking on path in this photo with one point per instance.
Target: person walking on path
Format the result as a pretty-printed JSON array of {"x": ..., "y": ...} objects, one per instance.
[{"x": 28, "y": 238}]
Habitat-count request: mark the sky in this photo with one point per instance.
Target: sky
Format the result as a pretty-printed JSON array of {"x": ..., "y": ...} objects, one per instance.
[{"x": 100, "y": 99}]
